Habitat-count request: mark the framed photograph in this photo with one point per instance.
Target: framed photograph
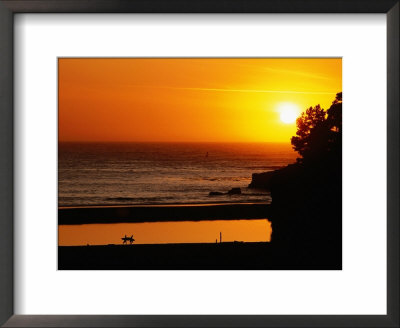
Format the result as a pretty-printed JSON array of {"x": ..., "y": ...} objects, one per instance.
[{"x": 203, "y": 164}]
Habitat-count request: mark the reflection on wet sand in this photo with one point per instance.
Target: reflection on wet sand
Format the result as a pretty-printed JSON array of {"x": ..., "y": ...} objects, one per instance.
[{"x": 166, "y": 232}]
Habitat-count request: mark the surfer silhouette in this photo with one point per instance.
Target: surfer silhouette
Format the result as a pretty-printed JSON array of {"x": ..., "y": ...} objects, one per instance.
[{"x": 126, "y": 239}]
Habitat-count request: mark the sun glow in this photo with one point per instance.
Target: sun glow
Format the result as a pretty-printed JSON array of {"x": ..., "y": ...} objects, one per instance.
[
  {"x": 288, "y": 112},
  {"x": 190, "y": 99}
]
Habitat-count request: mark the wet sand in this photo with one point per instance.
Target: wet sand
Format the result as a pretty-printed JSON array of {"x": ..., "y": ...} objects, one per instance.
[{"x": 203, "y": 256}]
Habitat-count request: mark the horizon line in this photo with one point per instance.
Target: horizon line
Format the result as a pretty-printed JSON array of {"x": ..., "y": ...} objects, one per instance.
[{"x": 130, "y": 141}]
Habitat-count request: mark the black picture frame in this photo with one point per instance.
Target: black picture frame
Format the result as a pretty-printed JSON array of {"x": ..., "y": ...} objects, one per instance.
[{"x": 10, "y": 7}]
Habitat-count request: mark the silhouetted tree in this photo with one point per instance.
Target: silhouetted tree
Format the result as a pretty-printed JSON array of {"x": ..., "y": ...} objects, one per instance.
[
  {"x": 334, "y": 122},
  {"x": 306, "y": 196},
  {"x": 335, "y": 113},
  {"x": 319, "y": 132}
]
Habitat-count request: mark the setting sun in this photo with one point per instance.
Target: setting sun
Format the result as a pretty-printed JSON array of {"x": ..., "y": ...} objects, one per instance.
[
  {"x": 288, "y": 112},
  {"x": 190, "y": 99}
]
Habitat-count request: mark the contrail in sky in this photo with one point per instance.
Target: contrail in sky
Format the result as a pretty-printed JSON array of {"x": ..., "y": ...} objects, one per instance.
[{"x": 237, "y": 90}]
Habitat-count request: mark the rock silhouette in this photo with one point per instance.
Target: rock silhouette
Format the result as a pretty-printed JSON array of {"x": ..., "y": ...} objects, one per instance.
[
  {"x": 235, "y": 191},
  {"x": 307, "y": 196}
]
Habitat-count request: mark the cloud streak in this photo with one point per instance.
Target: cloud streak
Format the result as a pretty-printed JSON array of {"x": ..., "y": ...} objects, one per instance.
[
  {"x": 283, "y": 71},
  {"x": 238, "y": 90}
]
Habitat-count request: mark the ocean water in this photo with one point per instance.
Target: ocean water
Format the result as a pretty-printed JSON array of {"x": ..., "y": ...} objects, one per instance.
[{"x": 164, "y": 173}]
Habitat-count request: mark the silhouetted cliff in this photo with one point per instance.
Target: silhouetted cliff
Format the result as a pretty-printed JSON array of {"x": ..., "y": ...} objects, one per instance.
[
  {"x": 307, "y": 196},
  {"x": 262, "y": 180},
  {"x": 307, "y": 212}
]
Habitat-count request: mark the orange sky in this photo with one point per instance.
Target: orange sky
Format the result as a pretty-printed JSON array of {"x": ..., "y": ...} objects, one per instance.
[{"x": 189, "y": 100}]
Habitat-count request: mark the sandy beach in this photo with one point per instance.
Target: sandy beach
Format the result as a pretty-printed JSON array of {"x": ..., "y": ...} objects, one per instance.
[
  {"x": 224, "y": 256},
  {"x": 164, "y": 257}
]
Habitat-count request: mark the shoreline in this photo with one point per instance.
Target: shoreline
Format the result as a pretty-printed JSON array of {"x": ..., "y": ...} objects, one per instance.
[
  {"x": 224, "y": 243},
  {"x": 162, "y": 213},
  {"x": 162, "y": 205}
]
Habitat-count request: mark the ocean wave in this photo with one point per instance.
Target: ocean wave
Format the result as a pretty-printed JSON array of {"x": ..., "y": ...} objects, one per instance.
[
  {"x": 140, "y": 199},
  {"x": 162, "y": 173}
]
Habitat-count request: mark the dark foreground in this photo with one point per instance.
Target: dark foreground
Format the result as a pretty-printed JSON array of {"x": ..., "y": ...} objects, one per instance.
[{"x": 221, "y": 256}]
